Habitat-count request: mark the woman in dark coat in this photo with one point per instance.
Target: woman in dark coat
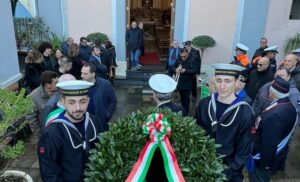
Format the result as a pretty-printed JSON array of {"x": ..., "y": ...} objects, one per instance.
[
  {"x": 112, "y": 52},
  {"x": 33, "y": 69},
  {"x": 77, "y": 63}
]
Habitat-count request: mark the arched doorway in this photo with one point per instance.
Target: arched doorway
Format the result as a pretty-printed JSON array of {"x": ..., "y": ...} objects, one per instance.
[{"x": 157, "y": 17}]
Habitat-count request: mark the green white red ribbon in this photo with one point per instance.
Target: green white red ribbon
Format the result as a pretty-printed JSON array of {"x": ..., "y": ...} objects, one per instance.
[{"x": 159, "y": 129}]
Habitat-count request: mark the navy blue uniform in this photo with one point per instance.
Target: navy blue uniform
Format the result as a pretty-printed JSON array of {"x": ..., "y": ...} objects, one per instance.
[
  {"x": 62, "y": 150},
  {"x": 276, "y": 123},
  {"x": 174, "y": 108},
  {"x": 232, "y": 131}
]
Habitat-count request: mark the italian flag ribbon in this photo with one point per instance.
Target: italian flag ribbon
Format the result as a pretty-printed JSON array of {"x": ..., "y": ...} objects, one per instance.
[{"x": 159, "y": 129}]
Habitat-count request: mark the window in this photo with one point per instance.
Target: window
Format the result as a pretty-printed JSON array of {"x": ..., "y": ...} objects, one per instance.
[{"x": 295, "y": 10}]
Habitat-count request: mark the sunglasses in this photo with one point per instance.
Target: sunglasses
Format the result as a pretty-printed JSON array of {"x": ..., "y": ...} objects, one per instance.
[{"x": 260, "y": 64}]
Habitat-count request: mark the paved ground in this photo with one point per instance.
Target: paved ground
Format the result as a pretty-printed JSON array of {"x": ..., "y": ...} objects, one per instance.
[{"x": 130, "y": 99}]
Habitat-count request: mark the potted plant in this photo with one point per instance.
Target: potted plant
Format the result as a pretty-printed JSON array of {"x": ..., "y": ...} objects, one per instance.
[
  {"x": 13, "y": 126},
  {"x": 203, "y": 42},
  {"x": 97, "y": 36},
  {"x": 118, "y": 149},
  {"x": 55, "y": 41},
  {"x": 29, "y": 32},
  {"x": 292, "y": 43}
]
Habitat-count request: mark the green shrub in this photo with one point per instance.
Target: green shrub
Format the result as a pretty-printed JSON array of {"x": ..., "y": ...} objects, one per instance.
[
  {"x": 292, "y": 43},
  {"x": 203, "y": 42},
  {"x": 119, "y": 149},
  {"x": 14, "y": 107},
  {"x": 97, "y": 35}
]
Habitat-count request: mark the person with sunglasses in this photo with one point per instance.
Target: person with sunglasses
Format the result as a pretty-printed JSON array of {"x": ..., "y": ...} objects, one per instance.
[{"x": 259, "y": 76}]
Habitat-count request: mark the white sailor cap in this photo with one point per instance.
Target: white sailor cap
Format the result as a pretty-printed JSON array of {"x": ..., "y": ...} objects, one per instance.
[
  {"x": 242, "y": 47},
  {"x": 74, "y": 87},
  {"x": 271, "y": 49},
  {"x": 227, "y": 69},
  {"x": 296, "y": 51},
  {"x": 162, "y": 83}
]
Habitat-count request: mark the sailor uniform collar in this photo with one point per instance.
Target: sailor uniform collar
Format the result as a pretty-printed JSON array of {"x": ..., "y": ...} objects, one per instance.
[
  {"x": 212, "y": 111},
  {"x": 76, "y": 139},
  {"x": 163, "y": 103}
]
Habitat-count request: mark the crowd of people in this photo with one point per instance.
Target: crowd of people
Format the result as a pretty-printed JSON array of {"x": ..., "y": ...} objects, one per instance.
[{"x": 252, "y": 110}]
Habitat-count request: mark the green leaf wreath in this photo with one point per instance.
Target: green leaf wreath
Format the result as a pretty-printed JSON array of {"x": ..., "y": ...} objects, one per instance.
[{"x": 119, "y": 149}]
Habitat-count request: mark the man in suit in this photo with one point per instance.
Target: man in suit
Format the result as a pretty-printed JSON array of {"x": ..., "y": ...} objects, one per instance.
[{"x": 100, "y": 61}]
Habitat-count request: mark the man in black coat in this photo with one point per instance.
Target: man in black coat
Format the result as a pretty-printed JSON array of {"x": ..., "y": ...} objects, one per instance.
[
  {"x": 274, "y": 129},
  {"x": 257, "y": 78},
  {"x": 196, "y": 55},
  {"x": 263, "y": 44},
  {"x": 84, "y": 49},
  {"x": 64, "y": 146},
  {"x": 186, "y": 68},
  {"x": 134, "y": 42},
  {"x": 101, "y": 62},
  {"x": 103, "y": 100},
  {"x": 228, "y": 119}
]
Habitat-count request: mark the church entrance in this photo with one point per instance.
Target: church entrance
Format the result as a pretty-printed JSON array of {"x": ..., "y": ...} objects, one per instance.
[{"x": 157, "y": 17}]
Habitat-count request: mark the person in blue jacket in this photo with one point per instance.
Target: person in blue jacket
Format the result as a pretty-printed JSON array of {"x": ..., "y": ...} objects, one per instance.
[
  {"x": 65, "y": 143},
  {"x": 103, "y": 99}
]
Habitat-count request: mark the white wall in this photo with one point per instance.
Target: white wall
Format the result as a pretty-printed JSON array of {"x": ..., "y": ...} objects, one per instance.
[
  {"x": 9, "y": 69},
  {"x": 88, "y": 16},
  {"x": 279, "y": 28},
  {"x": 218, "y": 20}
]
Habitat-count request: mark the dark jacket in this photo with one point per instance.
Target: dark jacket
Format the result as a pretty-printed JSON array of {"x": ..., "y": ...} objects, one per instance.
[
  {"x": 104, "y": 101},
  {"x": 62, "y": 156},
  {"x": 101, "y": 66},
  {"x": 48, "y": 64},
  {"x": 256, "y": 80},
  {"x": 85, "y": 52},
  {"x": 233, "y": 133},
  {"x": 275, "y": 124},
  {"x": 77, "y": 64},
  {"x": 65, "y": 47},
  {"x": 185, "y": 81},
  {"x": 258, "y": 52},
  {"x": 134, "y": 39},
  {"x": 174, "y": 108},
  {"x": 295, "y": 75},
  {"x": 112, "y": 53},
  {"x": 196, "y": 55},
  {"x": 32, "y": 75}
]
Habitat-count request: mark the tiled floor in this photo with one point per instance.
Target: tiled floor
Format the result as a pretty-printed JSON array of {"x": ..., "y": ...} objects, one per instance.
[{"x": 131, "y": 98}]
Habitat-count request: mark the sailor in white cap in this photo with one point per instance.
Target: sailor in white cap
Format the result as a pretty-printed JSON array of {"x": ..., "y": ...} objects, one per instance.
[
  {"x": 271, "y": 52},
  {"x": 65, "y": 142},
  {"x": 241, "y": 57},
  {"x": 163, "y": 86},
  {"x": 228, "y": 119}
]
